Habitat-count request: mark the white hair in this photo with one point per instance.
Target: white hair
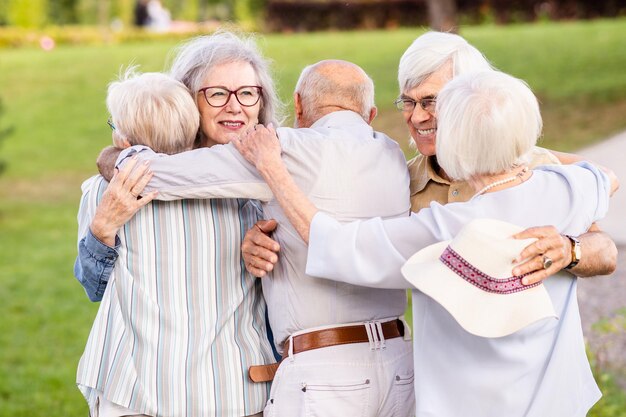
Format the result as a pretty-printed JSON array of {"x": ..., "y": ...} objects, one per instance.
[
  {"x": 487, "y": 123},
  {"x": 196, "y": 57},
  {"x": 317, "y": 90},
  {"x": 431, "y": 51},
  {"x": 153, "y": 109}
]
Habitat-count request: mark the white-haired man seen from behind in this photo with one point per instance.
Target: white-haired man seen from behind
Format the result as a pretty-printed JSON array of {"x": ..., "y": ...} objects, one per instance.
[{"x": 432, "y": 60}]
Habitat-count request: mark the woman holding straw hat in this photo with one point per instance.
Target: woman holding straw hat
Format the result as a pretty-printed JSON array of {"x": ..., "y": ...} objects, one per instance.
[{"x": 524, "y": 363}]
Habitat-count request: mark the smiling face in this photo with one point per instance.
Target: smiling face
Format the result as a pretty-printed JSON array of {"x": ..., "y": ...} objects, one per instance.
[
  {"x": 422, "y": 123},
  {"x": 219, "y": 123}
]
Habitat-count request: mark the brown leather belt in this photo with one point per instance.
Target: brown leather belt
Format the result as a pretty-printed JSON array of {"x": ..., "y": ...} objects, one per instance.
[{"x": 318, "y": 339}]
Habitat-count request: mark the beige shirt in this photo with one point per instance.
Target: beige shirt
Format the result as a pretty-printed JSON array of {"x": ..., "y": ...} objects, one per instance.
[{"x": 428, "y": 186}]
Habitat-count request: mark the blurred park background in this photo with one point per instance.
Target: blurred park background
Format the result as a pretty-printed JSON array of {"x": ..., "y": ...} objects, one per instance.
[{"x": 57, "y": 56}]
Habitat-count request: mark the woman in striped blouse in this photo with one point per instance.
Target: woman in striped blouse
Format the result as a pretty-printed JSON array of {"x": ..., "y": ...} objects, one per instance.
[{"x": 176, "y": 276}]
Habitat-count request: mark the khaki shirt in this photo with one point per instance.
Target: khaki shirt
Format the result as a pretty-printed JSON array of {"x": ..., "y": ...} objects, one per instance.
[{"x": 427, "y": 186}]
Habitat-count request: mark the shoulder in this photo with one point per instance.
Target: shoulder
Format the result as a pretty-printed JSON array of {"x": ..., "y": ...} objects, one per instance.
[
  {"x": 541, "y": 156},
  {"x": 94, "y": 185},
  {"x": 418, "y": 171}
]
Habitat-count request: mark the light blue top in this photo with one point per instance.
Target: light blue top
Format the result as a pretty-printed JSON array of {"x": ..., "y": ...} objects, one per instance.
[{"x": 539, "y": 371}]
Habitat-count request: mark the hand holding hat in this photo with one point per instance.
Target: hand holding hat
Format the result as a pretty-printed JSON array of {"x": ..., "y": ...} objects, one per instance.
[{"x": 471, "y": 277}]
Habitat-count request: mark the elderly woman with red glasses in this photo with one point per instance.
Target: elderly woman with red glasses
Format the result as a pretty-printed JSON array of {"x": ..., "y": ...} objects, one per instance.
[{"x": 209, "y": 321}]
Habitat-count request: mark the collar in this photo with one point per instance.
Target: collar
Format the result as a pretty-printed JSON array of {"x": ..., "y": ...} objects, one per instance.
[
  {"x": 339, "y": 118},
  {"x": 421, "y": 170}
]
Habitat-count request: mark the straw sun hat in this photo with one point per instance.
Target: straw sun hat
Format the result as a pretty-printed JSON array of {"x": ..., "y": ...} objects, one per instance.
[{"x": 471, "y": 277}]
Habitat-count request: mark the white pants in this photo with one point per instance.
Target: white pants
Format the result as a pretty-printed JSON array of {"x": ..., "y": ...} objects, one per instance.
[{"x": 355, "y": 380}]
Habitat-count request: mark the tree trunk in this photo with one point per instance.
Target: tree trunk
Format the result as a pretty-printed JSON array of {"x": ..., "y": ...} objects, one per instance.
[
  {"x": 442, "y": 15},
  {"x": 103, "y": 12}
]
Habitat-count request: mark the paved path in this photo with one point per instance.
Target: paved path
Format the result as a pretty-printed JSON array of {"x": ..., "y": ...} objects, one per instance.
[{"x": 603, "y": 299}]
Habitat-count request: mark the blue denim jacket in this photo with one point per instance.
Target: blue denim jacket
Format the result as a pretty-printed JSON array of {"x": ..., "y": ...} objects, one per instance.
[{"x": 94, "y": 265}]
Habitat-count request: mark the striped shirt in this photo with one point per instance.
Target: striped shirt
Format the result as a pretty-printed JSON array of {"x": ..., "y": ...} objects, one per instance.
[{"x": 181, "y": 320}]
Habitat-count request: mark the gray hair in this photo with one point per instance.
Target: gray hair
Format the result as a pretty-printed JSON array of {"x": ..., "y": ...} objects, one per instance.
[
  {"x": 431, "y": 51},
  {"x": 318, "y": 90},
  {"x": 153, "y": 109},
  {"x": 488, "y": 122},
  {"x": 196, "y": 57}
]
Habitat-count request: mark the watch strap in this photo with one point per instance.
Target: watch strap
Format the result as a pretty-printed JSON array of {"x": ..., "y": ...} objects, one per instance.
[{"x": 576, "y": 253}]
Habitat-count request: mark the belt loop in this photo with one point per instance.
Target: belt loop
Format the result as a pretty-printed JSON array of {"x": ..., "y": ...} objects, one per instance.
[
  {"x": 370, "y": 337},
  {"x": 407, "y": 328},
  {"x": 375, "y": 334},
  {"x": 290, "y": 350},
  {"x": 381, "y": 336}
]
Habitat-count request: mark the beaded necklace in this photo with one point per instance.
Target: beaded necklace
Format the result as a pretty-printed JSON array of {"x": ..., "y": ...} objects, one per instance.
[{"x": 494, "y": 184}]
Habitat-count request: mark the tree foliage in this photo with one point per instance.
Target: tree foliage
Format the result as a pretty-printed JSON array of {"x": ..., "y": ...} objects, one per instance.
[
  {"x": 27, "y": 13},
  {"x": 311, "y": 14}
]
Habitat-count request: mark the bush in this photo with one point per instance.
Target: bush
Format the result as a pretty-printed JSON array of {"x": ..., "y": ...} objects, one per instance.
[{"x": 14, "y": 37}]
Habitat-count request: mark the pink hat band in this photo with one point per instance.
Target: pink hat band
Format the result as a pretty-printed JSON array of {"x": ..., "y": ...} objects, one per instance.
[{"x": 479, "y": 279}]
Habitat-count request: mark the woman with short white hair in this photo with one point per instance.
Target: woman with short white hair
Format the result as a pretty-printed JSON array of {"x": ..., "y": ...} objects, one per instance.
[
  {"x": 198, "y": 317},
  {"x": 488, "y": 121},
  {"x": 152, "y": 109}
]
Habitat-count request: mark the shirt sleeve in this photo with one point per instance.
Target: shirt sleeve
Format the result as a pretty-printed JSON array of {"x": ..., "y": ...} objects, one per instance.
[
  {"x": 94, "y": 265},
  {"x": 585, "y": 178},
  {"x": 95, "y": 261},
  {"x": 216, "y": 172},
  {"x": 368, "y": 253}
]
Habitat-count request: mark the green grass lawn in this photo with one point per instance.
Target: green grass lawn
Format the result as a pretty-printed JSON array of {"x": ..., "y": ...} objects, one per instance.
[{"x": 55, "y": 104}]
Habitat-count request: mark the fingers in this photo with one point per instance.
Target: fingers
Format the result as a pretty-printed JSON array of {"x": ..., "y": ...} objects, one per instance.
[
  {"x": 136, "y": 177},
  {"x": 258, "y": 260},
  {"x": 536, "y": 277},
  {"x": 535, "y": 268},
  {"x": 258, "y": 250},
  {"x": 271, "y": 129},
  {"x": 262, "y": 244},
  {"x": 547, "y": 237},
  {"x": 266, "y": 226},
  {"x": 140, "y": 181},
  {"x": 256, "y": 244},
  {"x": 257, "y": 272},
  {"x": 145, "y": 199},
  {"x": 122, "y": 174},
  {"x": 550, "y": 246}
]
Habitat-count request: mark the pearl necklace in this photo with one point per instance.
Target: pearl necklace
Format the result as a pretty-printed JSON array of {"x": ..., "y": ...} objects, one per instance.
[{"x": 519, "y": 175}]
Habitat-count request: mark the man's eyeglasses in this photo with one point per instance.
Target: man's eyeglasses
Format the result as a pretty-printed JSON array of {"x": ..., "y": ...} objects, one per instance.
[
  {"x": 110, "y": 123},
  {"x": 408, "y": 104},
  {"x": 218, "y": 96}
]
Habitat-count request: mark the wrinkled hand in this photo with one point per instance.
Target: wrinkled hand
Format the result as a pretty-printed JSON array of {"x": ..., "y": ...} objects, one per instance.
[
  {"x": 259, "y": 251},
  {"x": 549, "y": 243},
  {"x": 121, "y": 200},
  {"x": 259, "y": 145}
]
